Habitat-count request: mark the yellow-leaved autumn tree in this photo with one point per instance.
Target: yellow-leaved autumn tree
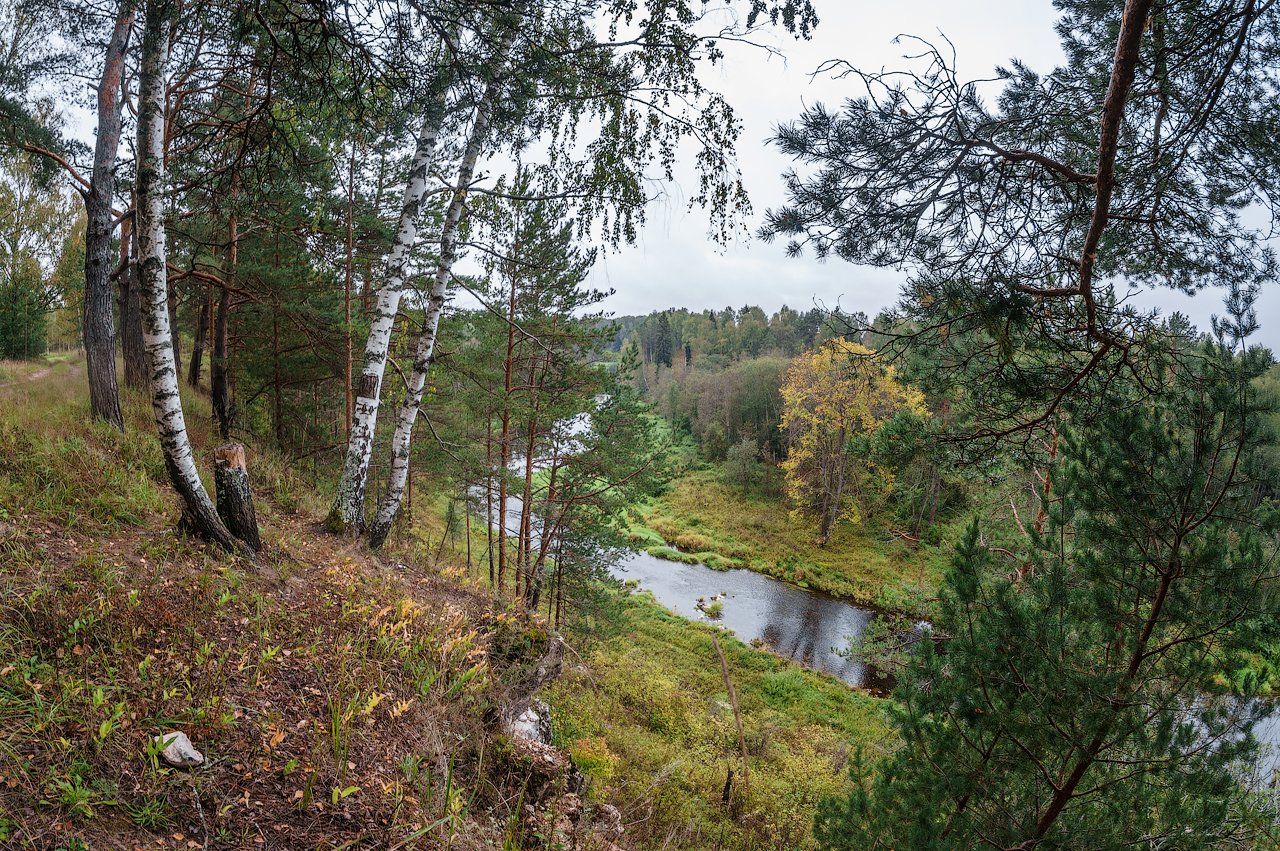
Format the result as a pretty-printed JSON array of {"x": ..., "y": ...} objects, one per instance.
[{"x": 832, "y": 397}]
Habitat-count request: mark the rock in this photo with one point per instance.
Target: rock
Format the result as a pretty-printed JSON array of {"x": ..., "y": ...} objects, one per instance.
[
  {"x": 607, "y": 821},
  {"x": 534, "y": 724},
  {"x": 542, "y": 766},
  {"x": 574, "y": 781},
  {"x": 720, "y": 708},
  {"x": 576, "y": 819},
  {"x": 513, "y": 716},
  {"x": 178, "y": 750}
]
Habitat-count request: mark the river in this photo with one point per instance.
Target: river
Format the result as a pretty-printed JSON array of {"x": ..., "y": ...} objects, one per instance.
[{"x": 807, "y": 627}]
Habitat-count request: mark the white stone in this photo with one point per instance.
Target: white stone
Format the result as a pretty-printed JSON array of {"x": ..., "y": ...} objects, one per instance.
[
  {"x": 533, "y": 724},
  {"x": 178, "y": 750}
]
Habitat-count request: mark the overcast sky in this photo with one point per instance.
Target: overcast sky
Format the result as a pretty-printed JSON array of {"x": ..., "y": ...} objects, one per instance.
[{"x": 674, "y": 264}]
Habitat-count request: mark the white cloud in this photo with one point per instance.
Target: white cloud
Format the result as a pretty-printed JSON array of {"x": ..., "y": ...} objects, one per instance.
[{"x": 675, "y": 264}]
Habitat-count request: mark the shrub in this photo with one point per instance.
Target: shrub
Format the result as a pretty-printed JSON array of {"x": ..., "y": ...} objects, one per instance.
[
  {"x": 594, "y": 759},
  {"x": 671, "y": 554},
  {"x": 691, "y": 542}
]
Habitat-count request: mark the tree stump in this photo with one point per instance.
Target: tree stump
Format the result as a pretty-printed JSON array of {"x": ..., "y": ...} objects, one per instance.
[{"x": 235, "y": 500}]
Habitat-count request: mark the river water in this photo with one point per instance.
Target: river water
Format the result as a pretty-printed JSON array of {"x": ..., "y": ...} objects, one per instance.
[
  {"x": 810, "y": 628},
  {"x": 804, "y": 626},
  {"x": 807, "y": 627}
]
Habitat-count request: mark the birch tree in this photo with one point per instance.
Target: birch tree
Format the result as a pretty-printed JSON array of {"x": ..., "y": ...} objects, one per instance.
[
  {"x": 347, "y": 513},
  {"x": 424, "y": 347},
  {"x": 833, "y": 397},
  {"x": 198, "y": 515},
  {"x": 626, "y": 85}
]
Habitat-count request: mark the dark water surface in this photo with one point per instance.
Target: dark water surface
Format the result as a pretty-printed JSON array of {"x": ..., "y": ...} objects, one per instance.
[
  {"x": 812, "y": 628},
  {"x": 804, "y": 626},
  {"x": 807, "y": 627}
]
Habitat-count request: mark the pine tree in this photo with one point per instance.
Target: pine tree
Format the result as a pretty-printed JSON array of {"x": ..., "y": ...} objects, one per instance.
[
  {"x": 1076, "y": 704},
  {"x": 1132, "y": 159},
  {"x": 663, "y": 341}
]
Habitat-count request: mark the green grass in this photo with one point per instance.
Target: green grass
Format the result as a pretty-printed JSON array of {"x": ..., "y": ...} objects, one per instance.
[
  {"x": 705, "y": 520},
  {"x": 672, "y": 554},
  {"x": 649, "y": 719},
  {"x": 306, "y": 679},
  {"x": 59, "y": 466}
]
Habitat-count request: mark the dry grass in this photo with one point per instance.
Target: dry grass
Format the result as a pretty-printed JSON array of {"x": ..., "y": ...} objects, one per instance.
[{"x": 338, "y": 701}]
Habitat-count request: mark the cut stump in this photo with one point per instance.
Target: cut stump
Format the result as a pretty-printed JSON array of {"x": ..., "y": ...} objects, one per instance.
[{"x": 234, "y": 499}]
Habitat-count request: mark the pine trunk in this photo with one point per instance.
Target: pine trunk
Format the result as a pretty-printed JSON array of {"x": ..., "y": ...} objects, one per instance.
[
  {"x": 199, "y": 515},
  {"x": 197, "y": 346},
  {"x": 98, "y": 323},
  {"x": 135, "y": 355},
  {"x": 488, "y": 497},
  {"x": 219, "y": 386},
  {"x": 526, "y": 559},
  {"x": 504, "y": 438}
]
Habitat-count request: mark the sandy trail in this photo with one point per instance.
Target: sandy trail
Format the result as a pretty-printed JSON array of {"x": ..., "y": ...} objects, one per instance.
[{"x": 43, "y": 372}]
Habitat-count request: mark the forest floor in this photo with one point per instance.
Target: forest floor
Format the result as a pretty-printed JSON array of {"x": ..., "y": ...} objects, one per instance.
[
  {"x": 340, "y": 697},
  {"x": 703, "y": 519}
]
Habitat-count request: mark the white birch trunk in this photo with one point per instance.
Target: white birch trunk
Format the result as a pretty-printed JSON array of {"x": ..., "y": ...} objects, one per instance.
[
  {"x": 348, "y": 506},
  {"x": 199, "y": 514},
  {"x": 424, "y": 348}
]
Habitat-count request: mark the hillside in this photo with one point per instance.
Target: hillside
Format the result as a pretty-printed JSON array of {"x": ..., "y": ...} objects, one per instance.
[
  {"x": 337, "y": 699},
  {"x": 341, "y": 699}
]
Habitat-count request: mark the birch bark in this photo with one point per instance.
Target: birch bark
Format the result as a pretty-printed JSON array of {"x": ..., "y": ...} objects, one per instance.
[
  {"x": 199, "y": 515},
  {"x": 347, "y": 513},
  {"x": 425, "y": 345},
  {"x": 424, "y": 348}
]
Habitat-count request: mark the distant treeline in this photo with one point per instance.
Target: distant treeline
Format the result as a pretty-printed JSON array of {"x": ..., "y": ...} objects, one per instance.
[
  {"x": 723, "y": 336},
  {"x": 716, "y": 374},
  {"x": 787, "y": 401}
]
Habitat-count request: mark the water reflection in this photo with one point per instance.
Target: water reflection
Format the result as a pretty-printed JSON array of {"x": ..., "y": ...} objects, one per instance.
[{"x": 807, "y": 627}]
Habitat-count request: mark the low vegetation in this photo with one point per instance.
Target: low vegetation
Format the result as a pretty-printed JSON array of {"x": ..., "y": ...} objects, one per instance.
[
  {"x": 649, "y": 721},
  {"x": 703, "y": 519}
]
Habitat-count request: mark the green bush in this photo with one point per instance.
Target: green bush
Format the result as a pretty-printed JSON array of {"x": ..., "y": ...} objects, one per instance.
[{"x": 672, "y": 554}]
